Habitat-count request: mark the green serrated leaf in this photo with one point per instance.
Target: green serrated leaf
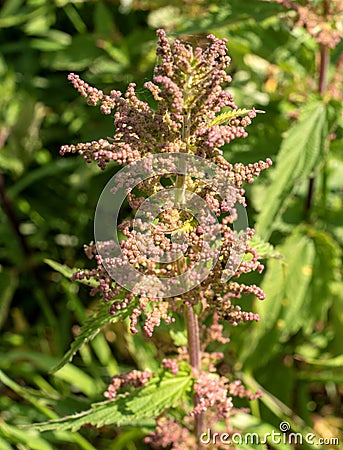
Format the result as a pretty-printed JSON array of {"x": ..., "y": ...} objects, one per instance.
[
  {"x": 132, "y": 409},
  {"x": 301, "y": 151},
  {"x": 327, "y": 269},
  {"x": 299, "y": 276},
  {"x": 160, "y": 395},
  {"x": 68, "y": 272},
  {"x": 226, "y": 116},
  {"x": 282, "y": 312},
  {"x": 263, "y": 249},
  {"x": 90, "y": 329},
  {"x": 263, "y": 340}
]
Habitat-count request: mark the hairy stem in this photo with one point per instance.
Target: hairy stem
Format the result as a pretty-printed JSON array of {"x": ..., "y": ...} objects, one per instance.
[
  {"x": 191, "y": 319},
  {"x": 193, "y": 339},
  {"x": 323, "y": 68}
]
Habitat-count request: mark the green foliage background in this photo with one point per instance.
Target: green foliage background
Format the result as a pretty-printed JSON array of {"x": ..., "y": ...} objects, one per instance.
[{"x": 48, "y": 204}]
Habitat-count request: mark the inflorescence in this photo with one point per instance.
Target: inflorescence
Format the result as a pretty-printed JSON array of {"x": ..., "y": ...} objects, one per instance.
[{"x": 189, "y": 90}]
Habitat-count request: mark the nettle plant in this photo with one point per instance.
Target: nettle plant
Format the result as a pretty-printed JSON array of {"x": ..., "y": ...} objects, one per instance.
[{"x": 180, "y": 253}]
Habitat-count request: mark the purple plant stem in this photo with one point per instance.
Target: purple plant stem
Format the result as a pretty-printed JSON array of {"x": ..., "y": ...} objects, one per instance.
[
  {"x": 322, "y": 81},
  {"x": 323, "y": 69},
  {"x": 193, "y": 339}
]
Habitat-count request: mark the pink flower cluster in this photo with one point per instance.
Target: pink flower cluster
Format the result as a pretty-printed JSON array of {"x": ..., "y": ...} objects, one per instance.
[
  {"x": 135, "y": 378},
  {"x": 189, "y": 87},
  {"x": 323, "y": 20},
  {"x": 212, "y": 392},
  {"x": 171, "y": 434}
]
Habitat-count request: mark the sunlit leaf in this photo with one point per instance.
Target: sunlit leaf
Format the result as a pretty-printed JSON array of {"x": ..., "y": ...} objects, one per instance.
[
  {"x": 325, "y": 277},
  {"x": 301, "y": 152},
  {"x": 264, "y": 249},
  {"x": 226, "y": 116},
  {"x": 91, "y": 328},
  {"x": 131, "y": 409},
  {"x": 282, "y": 312}
]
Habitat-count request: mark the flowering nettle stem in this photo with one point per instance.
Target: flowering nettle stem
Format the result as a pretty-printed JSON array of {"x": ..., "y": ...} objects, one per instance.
[{"x": 188, "y": 87}]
